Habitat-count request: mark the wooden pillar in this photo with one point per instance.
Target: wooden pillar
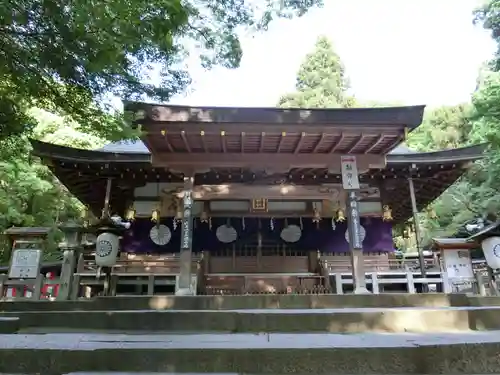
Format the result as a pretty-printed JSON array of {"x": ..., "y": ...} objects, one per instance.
[
  {"x": 184, "y": 286},
  {"x": 416, "y": 223},
  {"x": 356, "y": 244}
]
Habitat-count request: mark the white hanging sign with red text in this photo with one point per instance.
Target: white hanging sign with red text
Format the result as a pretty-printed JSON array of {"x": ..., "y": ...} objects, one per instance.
[{"x": 350, "y": 178}]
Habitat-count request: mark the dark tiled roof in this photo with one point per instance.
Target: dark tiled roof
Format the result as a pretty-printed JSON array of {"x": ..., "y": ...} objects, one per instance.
[{"x": 133, "y": 147}]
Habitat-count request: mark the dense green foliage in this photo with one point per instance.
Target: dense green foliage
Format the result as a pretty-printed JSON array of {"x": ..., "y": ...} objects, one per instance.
[
  {"x": 30, "y": 195},
  {"x": 61, "y": 61},
  {"x": 67, "y": 57},
  {"x": 322, "y": 83}
]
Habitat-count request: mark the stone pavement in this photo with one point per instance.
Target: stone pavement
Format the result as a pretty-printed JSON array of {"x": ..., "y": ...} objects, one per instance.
[
  {"x": 367, "y": 353},
  {"x": 328, "y": 320},
  {"x": 286, "y": 334},
  {"x": 96, "y": 341}
]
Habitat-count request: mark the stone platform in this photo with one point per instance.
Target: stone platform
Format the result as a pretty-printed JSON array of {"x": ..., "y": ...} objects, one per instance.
[
  {"x": 263, "y": 334},
  {"x": 313, "y": 301},
  {"x": 259, "y": 354},
  {"x": 348, "y": 320}
]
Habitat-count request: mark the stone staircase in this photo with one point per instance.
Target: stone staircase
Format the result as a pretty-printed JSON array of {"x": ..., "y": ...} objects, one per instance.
[{"x": 255, "y": 334}]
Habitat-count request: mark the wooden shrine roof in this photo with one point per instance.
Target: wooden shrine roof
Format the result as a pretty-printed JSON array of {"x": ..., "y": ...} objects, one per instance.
[
  {"x": 171, "y": 130},
  {"x": 84, "y": 173}
]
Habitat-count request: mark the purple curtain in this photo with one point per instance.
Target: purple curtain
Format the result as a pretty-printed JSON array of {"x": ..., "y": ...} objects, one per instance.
[{"x": 314, "y": 237}]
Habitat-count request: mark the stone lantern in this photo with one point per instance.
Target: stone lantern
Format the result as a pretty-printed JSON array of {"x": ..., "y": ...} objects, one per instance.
[
  {"x": 70, "y": 246},
  {"x": 489, "y": 239}
]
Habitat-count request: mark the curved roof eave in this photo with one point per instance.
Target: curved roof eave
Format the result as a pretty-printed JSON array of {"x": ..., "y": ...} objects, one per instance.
[
  {"x": 136, "y": 151},
  {"x": 409, "y": 116}
]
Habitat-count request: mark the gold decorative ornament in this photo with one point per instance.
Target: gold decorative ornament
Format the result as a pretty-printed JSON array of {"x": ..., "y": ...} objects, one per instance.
[
  {"x": 204, "y": 217},
  {"x": 340, "y": 215},
  {"x": 316, "y": 216},
  {"x": 155, "y": 215},
  {"x": 130, "y": 215},
  {"x": 386, "y": 213},
  {"x": 259, "y": 205}
]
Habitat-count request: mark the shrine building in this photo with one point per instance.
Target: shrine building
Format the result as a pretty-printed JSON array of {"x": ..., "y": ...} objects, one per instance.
[{"x": 270, "y": 190}]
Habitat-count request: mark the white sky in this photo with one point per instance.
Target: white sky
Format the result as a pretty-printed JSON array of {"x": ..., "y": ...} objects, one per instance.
[{"x": 408, "y": 51}]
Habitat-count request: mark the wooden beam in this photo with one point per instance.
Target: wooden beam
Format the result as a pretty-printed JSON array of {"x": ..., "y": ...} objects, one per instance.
[
  {"x": 184, "y": 139},
  {"x": 223, "y": 141},
  {"x": 282, "y": 138},
  {"x": 262, "y": 137},
  {"x": 258, "y": 161},
  {"x": 203, "y": 143},
  {"x": 316, "y": 147},
  {"x": 355, "y": 144},
  {"x": 299, "y": 143},
  {"x": 337, "y": 143},
  {"x": 391, "y": 145},
  {"x": 270, "y": 128},
  {"x": 167, "y": 142},
  {"x": 375, "y": 143}
]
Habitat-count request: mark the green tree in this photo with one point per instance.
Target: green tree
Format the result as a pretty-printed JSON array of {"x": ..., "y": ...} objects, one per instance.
[
  {"x": 443, "y": 128},
  {"x": 321, "y": 81},
  {"x": 450, "y": 127},
  {"x": 67, "y": 57},
  {"x": 488, "y": 15},
  {"x": 30, "y": 195}
]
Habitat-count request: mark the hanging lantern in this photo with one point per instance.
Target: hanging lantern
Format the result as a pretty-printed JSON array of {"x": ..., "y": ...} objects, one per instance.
[
  {"x": 387, "y": 213},
  {"x": 316, "y": 216},
  {"x": 155, "y": 215},
  {"x": 431, "y": 213},
  {"x": 130, "y": 215},
  {"x": 204, "y": 217},
  {"x": 340, "y": 215}
]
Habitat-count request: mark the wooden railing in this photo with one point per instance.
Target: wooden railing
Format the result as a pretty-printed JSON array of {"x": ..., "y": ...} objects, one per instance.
[
  {"x": 257, "y": 270},
  {"x": 293, "y": 283},
  {"x": 375, "y": 263},
  {"x": 131, "y": 269},
  {"x": 259, "y": 261}
]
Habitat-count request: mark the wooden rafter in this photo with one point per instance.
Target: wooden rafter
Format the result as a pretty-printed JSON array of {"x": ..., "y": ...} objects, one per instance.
[
  {"x": 167, "y": 142},
  {"x": 318, "y": 144},
  {"x": 185, "y": 141},
  {"x": 355, "y": 144},
  {"x": 223, "y": 141},
  {"x": 375, "y": 143},
  {"x": 337, "y": 143},
  {"x": 203, "y": 143},
  {"x": 299, "y": 143},
  {"x": 391, "y": 145},
  {"x": 280, "y": 144}
]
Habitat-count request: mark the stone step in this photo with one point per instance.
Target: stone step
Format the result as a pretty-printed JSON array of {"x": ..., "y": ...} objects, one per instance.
[
  {"x": 312, "y": 320},
  {"x": 9, "y": 324},
  {"x": 289, "y": 301},
  {"x": 463, "y": 353}
]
